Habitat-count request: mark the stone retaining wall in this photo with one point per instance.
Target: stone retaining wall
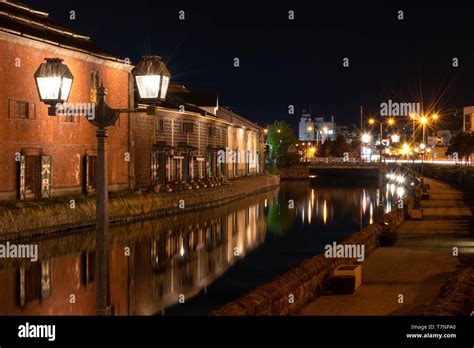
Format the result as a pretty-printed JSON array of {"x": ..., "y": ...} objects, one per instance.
[
  {"x": 43, "y": 219},
  {"x": 456, "y": 296},
  {"x": 460, "y": 176},
  {"x": 296, "y": 172},
  {"x": 306, "y": 280}
]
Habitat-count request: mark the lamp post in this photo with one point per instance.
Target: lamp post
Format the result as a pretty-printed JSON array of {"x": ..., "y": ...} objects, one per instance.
[
  {"x": 435, "y": 118},
  {"x": 54, "y": 82},
  {"x": 380, "y": 207},
  {"x": 413, "y": 117},
  {"x": 422, "y": 148},
  {"x": 423, "y": 121}
]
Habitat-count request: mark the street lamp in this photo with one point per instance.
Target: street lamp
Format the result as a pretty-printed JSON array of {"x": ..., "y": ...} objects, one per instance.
[
  {"x": 366, "y": 138},
  {"x": 422, "y": 147},
  {"x": 435, "y": 118},
  {"x": 54, "y": 82},
  {"x": 405, "y": 149},
  {"x": 153, "y": 78},
  {"x": 413, "y": 117},
  {"x": 373, "y": 121},
  {"x": 423, "y": 121}
]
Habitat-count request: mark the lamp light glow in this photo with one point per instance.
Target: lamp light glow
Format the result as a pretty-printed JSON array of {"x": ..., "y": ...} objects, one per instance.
[
  {"x": 53, "y": 81},
  {"x": 152, "y": 78}
]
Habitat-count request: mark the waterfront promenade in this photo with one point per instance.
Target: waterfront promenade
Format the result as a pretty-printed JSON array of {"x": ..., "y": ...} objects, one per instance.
[{"x": 415, "y": 267}]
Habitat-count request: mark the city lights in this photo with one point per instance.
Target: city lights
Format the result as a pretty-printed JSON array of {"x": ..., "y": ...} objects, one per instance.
[{"x": 366, "y": 138}]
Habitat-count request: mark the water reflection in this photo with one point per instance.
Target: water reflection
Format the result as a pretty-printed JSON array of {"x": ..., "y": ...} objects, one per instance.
[{"x": 204, "y": 259}]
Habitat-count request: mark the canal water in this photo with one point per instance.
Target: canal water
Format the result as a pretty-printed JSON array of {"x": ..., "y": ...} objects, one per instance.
[{"x": 190, "y": 263}]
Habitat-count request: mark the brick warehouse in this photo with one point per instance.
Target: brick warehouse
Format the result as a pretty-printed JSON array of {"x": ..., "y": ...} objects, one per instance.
[
  {"x": 49, "y": 156},
  {"x": 44, "y": 156},
  {"x": 191, "y": 137}
]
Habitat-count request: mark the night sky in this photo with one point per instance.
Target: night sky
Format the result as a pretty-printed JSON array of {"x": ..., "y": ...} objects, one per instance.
[{"x": 298, "y": 62}]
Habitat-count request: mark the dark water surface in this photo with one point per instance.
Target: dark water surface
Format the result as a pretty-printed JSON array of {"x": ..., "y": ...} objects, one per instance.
[{"x": 203, "y": 259}]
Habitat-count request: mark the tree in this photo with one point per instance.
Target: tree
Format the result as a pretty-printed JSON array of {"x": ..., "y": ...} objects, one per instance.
[
  {"x": 356, "y": 145},
  {"x": 280, "y": 137},
  {"x": 340, "y": 146},
  {"x": 462, "y": 144}
]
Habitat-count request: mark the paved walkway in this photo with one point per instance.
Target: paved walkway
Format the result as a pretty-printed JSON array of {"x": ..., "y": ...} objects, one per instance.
[{"x": 415, "y": 267}]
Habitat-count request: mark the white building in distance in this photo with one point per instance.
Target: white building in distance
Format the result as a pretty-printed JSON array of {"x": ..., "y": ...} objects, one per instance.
[{"x": 316, "y": 129}]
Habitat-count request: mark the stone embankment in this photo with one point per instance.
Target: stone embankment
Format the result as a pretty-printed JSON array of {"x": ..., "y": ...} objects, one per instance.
[
  {"x": 460, "y": 176},
  {"x": 43, "y": 217},
  {"x": 406, "y": 278},
  {"x": 456, "y": 296},
  {"x": 289, "y": 292},
  {"x": 296, "y": 172}
]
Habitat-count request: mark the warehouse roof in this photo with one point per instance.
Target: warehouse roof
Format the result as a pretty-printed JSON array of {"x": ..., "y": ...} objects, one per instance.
[{"x": 22, "y": 20}]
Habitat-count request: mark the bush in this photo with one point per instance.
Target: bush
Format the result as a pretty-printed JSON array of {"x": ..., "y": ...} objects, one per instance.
[{"x": 387, "y": 239}]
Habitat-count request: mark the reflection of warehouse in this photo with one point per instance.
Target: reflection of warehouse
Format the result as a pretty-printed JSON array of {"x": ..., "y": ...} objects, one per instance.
[
  {"x": 185, "y": 262},
  {"x": 165, "y": 261}
]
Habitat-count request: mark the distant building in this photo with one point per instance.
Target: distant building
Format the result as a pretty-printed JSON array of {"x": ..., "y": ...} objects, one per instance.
[
  {"x": 442, "y": 138},
  {"x": 348, "y": 132},
  {"x": 316, "y": 129},
  {"x": 306, "y": 128},
  {"x": 468, "y": 122}
]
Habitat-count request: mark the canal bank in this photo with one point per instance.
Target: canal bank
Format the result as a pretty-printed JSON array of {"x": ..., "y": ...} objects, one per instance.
[
  {"x": 431, "y": 261},
  {"x": 43, "y": 217}
]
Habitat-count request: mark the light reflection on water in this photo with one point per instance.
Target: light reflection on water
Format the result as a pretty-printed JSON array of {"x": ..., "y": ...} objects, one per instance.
[{"x": 206, "y": 258}]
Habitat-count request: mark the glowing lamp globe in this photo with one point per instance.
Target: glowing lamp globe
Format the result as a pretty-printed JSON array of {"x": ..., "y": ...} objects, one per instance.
[
  {"x": 152, "y": 78},
  {"x": 53, "y": 81}
]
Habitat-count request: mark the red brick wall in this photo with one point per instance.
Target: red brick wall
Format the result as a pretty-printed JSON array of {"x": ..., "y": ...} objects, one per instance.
[
  {"x": 66, "y": 143},
  {"x": 144, "y": 137}
]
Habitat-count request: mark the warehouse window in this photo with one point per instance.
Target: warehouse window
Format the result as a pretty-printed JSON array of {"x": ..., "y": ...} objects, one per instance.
[
  {"x": 21, "y": 109},
  {"x": 187, "y": 127},
  {"x": 160, "y": 125}
]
